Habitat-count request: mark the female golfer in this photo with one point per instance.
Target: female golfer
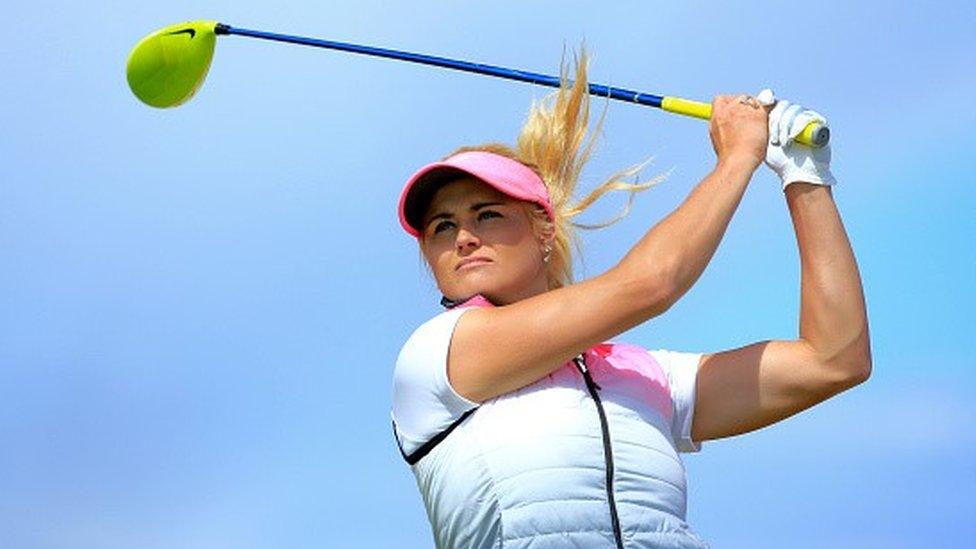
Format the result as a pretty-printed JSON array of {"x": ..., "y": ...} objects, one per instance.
[{"x": 523, "y": 424}]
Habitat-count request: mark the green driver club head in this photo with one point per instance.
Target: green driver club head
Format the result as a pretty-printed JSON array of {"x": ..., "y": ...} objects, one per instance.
[{"x": 167, "y": 67}]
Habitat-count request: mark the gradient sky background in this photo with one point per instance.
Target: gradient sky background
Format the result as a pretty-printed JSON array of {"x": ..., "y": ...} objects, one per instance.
[{"x": 200, "y": 308}]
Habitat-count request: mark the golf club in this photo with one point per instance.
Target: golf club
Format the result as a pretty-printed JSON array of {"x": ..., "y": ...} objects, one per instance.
[{"x": 166, "y": 68}]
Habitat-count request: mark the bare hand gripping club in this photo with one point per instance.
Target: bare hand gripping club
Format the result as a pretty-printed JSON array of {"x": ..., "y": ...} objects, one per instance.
[{"x": 167, "y": 67}]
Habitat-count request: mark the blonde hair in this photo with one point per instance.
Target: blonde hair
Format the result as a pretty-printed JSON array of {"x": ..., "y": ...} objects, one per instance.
[{"x": 554, "y": 143}]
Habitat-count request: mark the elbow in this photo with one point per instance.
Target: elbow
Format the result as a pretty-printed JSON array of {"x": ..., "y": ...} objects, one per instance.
[
  {"x": 857, "y": 374},
  {"x": 853, "y": 367},
  {"x": 863, "y": 367},
  {"x": 860, "y": 365},
  {"x": 837, "y": 377}
]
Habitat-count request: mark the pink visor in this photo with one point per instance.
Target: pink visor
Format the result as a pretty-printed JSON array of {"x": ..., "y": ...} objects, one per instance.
[{"x": 508, "y": 176}]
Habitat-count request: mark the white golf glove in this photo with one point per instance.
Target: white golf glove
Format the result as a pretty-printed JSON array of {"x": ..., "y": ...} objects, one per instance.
[{"x": 790, "y": 160}]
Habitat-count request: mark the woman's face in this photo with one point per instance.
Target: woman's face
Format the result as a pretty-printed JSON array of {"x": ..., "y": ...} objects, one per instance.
[{"x": 477, "y": 240}]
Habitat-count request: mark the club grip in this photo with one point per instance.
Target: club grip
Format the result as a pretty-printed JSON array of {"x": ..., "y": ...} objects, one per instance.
[{"x": 814, "y": 135}]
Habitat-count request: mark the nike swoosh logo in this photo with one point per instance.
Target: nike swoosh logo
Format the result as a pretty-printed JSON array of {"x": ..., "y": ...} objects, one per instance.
[{"x": 191, "y": 32}]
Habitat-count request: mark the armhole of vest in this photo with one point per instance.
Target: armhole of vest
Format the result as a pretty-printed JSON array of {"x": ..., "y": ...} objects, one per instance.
[{"x": 426, "y": 447}]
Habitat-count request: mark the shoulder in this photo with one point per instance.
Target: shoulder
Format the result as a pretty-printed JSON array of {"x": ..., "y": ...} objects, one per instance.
[
  {"x": 431, "y": 335},
  {"x": 670, "y": 360},
  {"x": 424, "y": 402},
  {"x": 421, "y": 367},
  {"x": 681, "y": 369}
]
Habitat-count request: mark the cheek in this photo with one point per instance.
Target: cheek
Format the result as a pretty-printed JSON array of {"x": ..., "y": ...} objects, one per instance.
[
  {"x": 522, "y": 249},
  {"x": 514, "y": 232},
  {"x": 441, "y": 262}
]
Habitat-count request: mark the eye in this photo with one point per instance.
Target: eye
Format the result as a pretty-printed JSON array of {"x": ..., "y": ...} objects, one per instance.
[
  {"x": 488, "y": 213},
  {"x": 441, "y": 226}
]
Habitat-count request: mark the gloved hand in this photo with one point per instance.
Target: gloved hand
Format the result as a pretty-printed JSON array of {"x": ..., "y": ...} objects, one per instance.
[{"x": 790, "y": 160}]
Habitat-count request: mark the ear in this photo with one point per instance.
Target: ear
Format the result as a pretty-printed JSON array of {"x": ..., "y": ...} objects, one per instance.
[
  {"x": 547, "y": 234},
  {"x": 543, "y": 228}
]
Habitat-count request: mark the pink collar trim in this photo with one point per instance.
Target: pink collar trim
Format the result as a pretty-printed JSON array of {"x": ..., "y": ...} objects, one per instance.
[{"x": 476, "y": 300}]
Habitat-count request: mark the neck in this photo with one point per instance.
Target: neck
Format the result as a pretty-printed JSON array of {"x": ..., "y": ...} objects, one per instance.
[
  {"x": 540, "y": 286},
  {"x": 495, "y": 299}
]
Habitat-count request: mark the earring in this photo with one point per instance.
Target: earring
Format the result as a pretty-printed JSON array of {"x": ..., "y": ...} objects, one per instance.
[{"x": 547, "y": 253}]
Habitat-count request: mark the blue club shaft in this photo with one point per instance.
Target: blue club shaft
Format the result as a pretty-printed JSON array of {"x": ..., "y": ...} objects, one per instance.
[{"x": 620, "y": 94}]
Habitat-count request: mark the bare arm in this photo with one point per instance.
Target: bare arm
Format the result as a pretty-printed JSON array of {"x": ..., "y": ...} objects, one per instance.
[
  {"x": 748, "y": 388},
  {"x": 497, "y": 350}
]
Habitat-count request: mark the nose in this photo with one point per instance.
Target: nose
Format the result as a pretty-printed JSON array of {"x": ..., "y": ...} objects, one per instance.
[{"x": 466, "y": 238}]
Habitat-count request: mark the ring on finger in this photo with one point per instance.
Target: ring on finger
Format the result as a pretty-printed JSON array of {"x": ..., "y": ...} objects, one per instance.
[{"x": 751, "y": 101}]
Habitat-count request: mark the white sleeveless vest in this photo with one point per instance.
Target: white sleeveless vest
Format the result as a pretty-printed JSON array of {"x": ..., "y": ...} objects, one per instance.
[{"x": 584, "y": 457}]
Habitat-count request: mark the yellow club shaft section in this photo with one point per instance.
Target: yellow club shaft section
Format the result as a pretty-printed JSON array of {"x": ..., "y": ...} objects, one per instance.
[
  {"x": 814, "y": 135},
  {"x": 687, "y": 107}
]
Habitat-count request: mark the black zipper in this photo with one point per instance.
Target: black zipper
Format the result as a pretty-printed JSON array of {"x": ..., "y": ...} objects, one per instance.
[{"x": 607, "y": 450}]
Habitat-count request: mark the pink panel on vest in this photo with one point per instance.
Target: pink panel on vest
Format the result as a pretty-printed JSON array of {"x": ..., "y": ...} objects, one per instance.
[{"x": 632, "y": 370}]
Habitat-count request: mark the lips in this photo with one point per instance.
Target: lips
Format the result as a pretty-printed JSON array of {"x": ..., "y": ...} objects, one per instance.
[{"x": 470, "y": 260}]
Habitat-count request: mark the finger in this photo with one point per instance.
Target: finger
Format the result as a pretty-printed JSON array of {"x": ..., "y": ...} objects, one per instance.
[
  {"x": 775, "y": 117},
  {"x": 786, "y": 122}
]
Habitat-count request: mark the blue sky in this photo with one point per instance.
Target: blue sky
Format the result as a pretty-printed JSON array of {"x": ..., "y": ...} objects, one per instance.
[{"x": 200, "y": 308}]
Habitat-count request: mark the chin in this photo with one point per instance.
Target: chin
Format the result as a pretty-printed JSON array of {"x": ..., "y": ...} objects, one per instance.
[{"x": 481, "y": 281}]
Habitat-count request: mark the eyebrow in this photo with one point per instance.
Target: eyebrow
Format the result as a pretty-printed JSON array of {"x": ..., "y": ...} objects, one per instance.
[{"x": 474, "y": 207}]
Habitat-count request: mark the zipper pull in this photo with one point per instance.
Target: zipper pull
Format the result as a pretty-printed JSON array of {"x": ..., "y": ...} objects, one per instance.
[{"x": 581, "y": 365}]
